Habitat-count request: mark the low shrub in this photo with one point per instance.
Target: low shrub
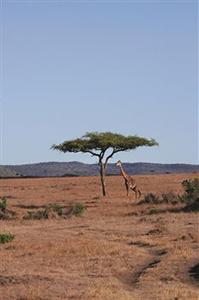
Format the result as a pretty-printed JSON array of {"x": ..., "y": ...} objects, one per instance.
[
  {"x": 37, "y": 215},
  {"x": 3, "y": 203},
  {"x": 77, "y": 209},
  {"x": 50, "y": 211},
  {"x": 169, "y": 198},
  {"x": 5, "y": 214},
  {"x": 55, "y": 211},
  {"x": 150, "y": 199},
  {"x": 166, "y": 198},
  {"x": 190, "y": 197},
  {"x": 6, "y": 237},
  {"x": 191, "y": 194},
  {"x": 153, "y": 210},
  {"x": 56, "y": 208}
]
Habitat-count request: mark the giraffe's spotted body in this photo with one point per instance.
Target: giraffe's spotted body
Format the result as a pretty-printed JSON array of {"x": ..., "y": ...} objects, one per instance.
[{"x": 130, "y": 183}]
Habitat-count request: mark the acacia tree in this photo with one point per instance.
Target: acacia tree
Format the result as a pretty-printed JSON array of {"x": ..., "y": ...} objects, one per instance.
[{"x": 103, "y": 145}]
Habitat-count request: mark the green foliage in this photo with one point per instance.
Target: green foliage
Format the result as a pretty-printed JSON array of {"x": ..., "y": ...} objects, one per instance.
[
  {"x": 190, "y": 197},
  {"x": 5, "y": 214},
  {"x": 77, "y": 209},
  {"x": 191, "y": 194},
  {"x": 56, "y": 208},
  {"x": 37, "y": 215},
  {"x": 54, "y": 211},
  {"x": 3, "y": 203},
  {"x": 95, "y": 141},
  {"x": 153, "y": 210},
  {"x": 6, "y": 237},
  {"x": 191, "y": 188},
  {"x": 44, "y": 213}
]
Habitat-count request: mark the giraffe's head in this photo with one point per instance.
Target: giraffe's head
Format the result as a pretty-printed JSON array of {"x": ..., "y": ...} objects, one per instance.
[{"x": 118, "y": 163}]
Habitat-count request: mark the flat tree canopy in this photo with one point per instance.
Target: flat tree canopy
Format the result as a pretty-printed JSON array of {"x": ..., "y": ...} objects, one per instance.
[{"x": 97, "y": 144}]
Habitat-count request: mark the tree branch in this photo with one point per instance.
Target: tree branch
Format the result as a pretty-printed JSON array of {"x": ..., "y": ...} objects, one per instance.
[
  {"x": 91, "y": 152},
  {"x": 113, "y": 152},
  {"x": 102, "y": 154}
]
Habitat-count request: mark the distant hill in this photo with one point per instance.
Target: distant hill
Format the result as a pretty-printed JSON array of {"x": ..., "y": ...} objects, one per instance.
[
  {"x": 48, "y": 169},
  {"x": 7, "y": 172}
]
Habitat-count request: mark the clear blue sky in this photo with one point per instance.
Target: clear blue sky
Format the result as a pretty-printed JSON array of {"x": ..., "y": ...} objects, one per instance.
[{"x": 72, "y": 66}]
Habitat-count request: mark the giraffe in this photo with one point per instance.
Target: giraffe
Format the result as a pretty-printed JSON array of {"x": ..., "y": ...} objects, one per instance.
[{"x": 129, "y": 181}]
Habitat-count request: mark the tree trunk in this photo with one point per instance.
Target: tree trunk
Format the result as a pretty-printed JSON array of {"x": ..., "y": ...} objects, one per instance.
[{"x": 102, "y": 177}]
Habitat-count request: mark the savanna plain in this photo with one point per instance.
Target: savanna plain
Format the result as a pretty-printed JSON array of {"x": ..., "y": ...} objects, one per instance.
[{"x": 119, "y": 248}]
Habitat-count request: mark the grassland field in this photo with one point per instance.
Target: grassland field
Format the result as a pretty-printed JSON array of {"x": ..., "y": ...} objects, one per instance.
[{"x": 117, "y": 250}]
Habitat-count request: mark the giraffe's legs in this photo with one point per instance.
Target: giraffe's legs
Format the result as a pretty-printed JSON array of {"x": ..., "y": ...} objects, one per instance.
[
  {"x": 137, "y": 192},
  {"x": 127, "y": 187}
]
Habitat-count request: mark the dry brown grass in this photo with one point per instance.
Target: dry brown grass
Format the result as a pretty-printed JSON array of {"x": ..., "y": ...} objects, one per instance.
[{"x": 116, "y": 250}]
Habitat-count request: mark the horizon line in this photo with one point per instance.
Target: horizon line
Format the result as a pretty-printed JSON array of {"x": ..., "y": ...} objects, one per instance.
[{"x": 75, "y": 161}]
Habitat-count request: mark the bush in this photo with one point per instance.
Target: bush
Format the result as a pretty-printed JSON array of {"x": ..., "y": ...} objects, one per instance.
[
  {"x": 150, "y": 199},
  {"x": 191, "y": 195},
  {"x": 191, "y": 188},
  {"x": 77, "y": 209},
  {"x": 169, "y": 198},
  {"x": 166, "y": 198},
  {"x": 3, "y": 204},
  {"x": 51, "y": 210},
  {"x": 54, "y": 211},
  {"x": 37, "y": 215},
  {"x": 56, "y": 208},
  {"x": 5, "y": 214},
  {"x": 153, "y": 210},
  {"x": 6, "y": 237}
]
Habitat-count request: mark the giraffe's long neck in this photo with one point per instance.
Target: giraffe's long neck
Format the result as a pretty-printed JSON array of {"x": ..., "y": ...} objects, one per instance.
[{"x": 123, "y": 173}]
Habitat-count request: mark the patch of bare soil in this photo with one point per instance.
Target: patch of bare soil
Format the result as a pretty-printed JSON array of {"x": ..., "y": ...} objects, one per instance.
[{"x": 118, "y": 249}]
